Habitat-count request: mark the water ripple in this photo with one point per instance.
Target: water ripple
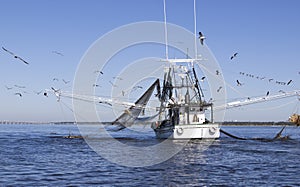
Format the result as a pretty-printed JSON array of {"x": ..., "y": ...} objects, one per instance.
[{"x": 31, "y": 155}]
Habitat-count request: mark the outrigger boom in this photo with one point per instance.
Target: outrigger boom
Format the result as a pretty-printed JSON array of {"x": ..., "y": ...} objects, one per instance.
[{"x": 110, "y": 102}]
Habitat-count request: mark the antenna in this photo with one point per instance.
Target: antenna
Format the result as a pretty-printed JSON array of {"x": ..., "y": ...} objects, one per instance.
[
  {"x": 166, "y": 31},
  {"x": 195, "y": 28}
]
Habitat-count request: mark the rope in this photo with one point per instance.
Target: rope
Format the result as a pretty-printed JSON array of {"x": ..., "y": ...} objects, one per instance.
[
  {"x": 277, "y": 136},
  {"x": 232, "y": 136}
]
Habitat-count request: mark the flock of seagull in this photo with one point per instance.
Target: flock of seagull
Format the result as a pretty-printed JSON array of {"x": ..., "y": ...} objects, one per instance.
[
  {"x": 114, "y": 85},
  {"x": 201, "y": 37},
  {"x": 238, "y": 83},
  {"x": 267, "y": 79},
  {"x": 20, "y": 90}
]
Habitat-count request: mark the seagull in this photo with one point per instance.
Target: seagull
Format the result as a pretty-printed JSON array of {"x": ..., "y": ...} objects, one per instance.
[
  {"x": 202, "y": 79},
  {"x": 119, "y": 78},
  {"x": 15, "y": 55},
  {"x": 97, "y": 71},
  {"x": 8, "y": 88},
  {"x": 19, "y": 94},
  {"x": 282, "y": 83},
  {"x": 290, "y": 81},
  {"x": 96, "y": 85},
  {"x": 201, "y": 37},
  {"x": 105, "y": 102},
  {"x": 66, "y": 82},
  {"x": 238, "y": 83},
  {"x": 262, "y": 78},
  {"x": 54, "y": 89},
  {"x": 112, "y": 84},
  {"x": 38, "y": 93},
  {"x": 58, "y": 53},
  {"x": 18, "y": 86},
  {"x": 136, "y": 87},
  {"x": 233, "y": 56}
]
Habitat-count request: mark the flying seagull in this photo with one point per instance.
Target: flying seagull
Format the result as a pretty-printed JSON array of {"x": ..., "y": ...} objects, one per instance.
[
  {"x": 18, "y": 86},
  {"x": 262, "y": 78},
  {"x": 66, "y": 82},
  {"x": 112, "y": 84},
  {"x": 137, "y": 87},
  {"x": 238, "y": 83},
  {"x": 201, "y": 37},
  {"x": 8, "y": 88},
  {"x": 58, "y": 53},
  {"x": 119, "y": 78},
  {"x": 38, "y": 92},
  {"x": 96, "y": 85},
  {"x": 97, "y": 71},
  {"x": 19, "y": 94},
  {"x": 233, "y": 56},
  {"x": 15, "y": 55}
]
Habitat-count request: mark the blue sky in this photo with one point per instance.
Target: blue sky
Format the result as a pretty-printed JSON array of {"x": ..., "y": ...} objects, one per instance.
[{"x": 265, "y": 33}]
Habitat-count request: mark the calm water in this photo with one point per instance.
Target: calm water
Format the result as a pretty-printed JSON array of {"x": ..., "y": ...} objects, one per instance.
[{"x": 37, "y": 155}]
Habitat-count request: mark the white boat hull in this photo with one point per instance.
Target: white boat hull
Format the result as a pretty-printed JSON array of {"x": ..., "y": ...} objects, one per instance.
[{"x": 189, "y": 131}]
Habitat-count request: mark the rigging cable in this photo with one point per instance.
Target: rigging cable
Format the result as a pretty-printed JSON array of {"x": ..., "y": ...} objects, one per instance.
[
  {"x": 195, "y": 28},
  {"x": 166, "y": 31}
]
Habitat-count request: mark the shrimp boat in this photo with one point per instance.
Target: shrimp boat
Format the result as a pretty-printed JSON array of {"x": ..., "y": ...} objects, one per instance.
[{"x": 183, "y": 111}]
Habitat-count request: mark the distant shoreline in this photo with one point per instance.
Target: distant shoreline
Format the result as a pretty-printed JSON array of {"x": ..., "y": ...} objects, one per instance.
[{"x": 226, "y": 123}]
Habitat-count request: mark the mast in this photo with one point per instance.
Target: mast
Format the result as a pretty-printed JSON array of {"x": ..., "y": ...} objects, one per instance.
[
  {"x": 166, "y": 31},
  {"x": 195, "y": 30},
  {"x": 197, "y": 84}
]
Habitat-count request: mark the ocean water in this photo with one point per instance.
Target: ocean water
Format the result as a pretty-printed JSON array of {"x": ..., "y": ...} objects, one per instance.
[{"x": 39, "y": 155}]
